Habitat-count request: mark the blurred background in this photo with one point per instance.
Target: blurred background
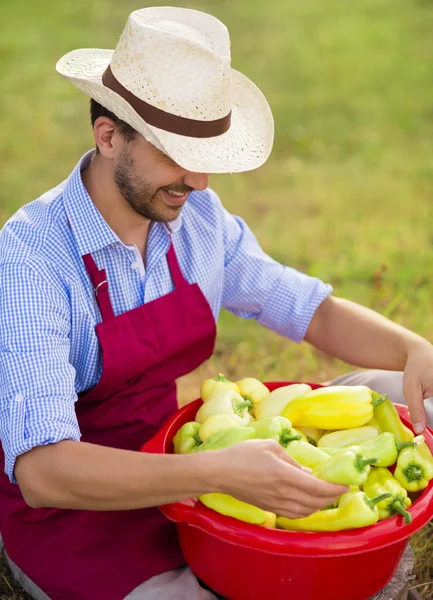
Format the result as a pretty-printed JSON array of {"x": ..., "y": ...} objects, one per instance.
[{"x": 347, "y": 194}]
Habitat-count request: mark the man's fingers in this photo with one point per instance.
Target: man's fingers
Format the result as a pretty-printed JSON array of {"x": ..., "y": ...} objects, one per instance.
[{"x": 415, "y": 401}]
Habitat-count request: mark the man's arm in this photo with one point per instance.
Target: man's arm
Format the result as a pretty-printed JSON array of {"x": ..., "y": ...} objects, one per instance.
[
  {"x": 362, "y": 337},
  {"x": 78, "y": 475}
]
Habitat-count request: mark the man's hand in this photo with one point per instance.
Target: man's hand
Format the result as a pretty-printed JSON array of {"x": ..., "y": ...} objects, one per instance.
[
  {"x": 261, "y": 472},
  {"x": 418, "y": 381}
]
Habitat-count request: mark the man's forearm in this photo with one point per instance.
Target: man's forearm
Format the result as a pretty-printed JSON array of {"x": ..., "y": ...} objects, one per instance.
[
  {"x": 360, "y": 336},
  {"x": 78, "y": 475}
]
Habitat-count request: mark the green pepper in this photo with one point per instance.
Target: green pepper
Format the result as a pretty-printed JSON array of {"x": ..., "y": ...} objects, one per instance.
[
  {"x": 232, "y": 507},
  {"x": 227, "y": 402},
  {"x": 306, "y": 454},
  {"x": 227, "y": 437},
  {"x": 275, "y": 428},
  {"x": 383, "y": 447},
  {"x": 380, "y": 481},
  {"x": 348, "y": 437},
  {"x": 388, "y": 419},
  {"x": 187, "y": 439},
  {"x": 414, "y": 467},
  {"x": 347, "y": 467},
  {"x": 354, "y": 510}
]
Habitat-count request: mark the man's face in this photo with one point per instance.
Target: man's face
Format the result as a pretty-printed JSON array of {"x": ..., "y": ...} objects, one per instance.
[{"x": 152, "y": 184}]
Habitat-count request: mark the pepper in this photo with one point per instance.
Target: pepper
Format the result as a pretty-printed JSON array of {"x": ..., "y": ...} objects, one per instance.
[
  {"x": 384, "y": 448},
  {"x": 414, "y": 467},
  {"x": 347, "y": 467},
  {"x": 354, "y": 511},
  {"x": 226, "y": 402},
  {"x": 380, "y": 481},
  {"x": 388, "y": 419},
  {"x": 270, "y": 521},
  {"x": 313, "y": 434},
  {"x": 216, "y": 423},
  {"x": 232, "y": 507},
  {"x": 333, "y": 407},
  {"x": 227, "y": 437},
  {"x": 301, "y": 433},
  {"x": 373, "y": 423},
  {"x": 252, "y": 389},
  {"x": 275, "y": 428},
  {"x": 187, "y": 439},
  {"x": 348, "y": 437},
  {"x": 306, "y": 454},
  {"x": 217, "y": 384},
  {"x": 275, "y": 403}
]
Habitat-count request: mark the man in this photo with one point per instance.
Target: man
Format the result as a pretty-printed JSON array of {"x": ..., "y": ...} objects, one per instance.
[{"x": 110, "y": 287}]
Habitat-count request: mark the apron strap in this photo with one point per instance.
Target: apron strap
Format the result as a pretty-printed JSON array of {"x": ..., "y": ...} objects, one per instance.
[
  {"x": 100, "y": 284},
  {"x": 175, "y": 272}
]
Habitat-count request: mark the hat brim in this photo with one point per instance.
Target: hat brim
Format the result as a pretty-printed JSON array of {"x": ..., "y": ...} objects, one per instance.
[{"x": 245, "y": 146}]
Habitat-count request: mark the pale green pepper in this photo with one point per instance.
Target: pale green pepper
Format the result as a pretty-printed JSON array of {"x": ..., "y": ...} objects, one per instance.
[
  {"x": 275, "y": 428},
  {"x": 348, "y": 467},
  {"x": 187, "y": 439}
]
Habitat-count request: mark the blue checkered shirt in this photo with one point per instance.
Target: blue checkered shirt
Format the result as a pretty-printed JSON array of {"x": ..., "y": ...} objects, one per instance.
[{"x": 48, "y": 345}]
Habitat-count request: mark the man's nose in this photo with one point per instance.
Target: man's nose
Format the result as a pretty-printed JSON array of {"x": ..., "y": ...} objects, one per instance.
[{"x": 198, "y": 181}]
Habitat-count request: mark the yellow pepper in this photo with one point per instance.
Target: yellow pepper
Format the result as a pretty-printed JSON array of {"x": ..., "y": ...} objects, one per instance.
[
  {"x": 216, "y": 423},
  {"x": 355, "y": 510},
  {"x": 217, "y": 384},
  {"x": 232, "y": 507},
  {"x": 414, "y": 467},
  {"x": 348, "y": 437},
  {"x": 333, "y": 407},
  {"x": 387, "y": 417},
  {"x": 275, "y": 403},
  {"x": 313, "y": 434},
  {"x": 225, "y": 402},
  {"x": 252, "y": 389}
]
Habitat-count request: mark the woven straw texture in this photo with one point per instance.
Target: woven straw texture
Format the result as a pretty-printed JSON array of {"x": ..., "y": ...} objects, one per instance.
[{"x": 178, "y": 60}]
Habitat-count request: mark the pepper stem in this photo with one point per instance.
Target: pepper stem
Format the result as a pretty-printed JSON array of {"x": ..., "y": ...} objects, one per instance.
[
  {"x": 361, "y": 463},
  {"x": 398, "y": 508},
  {"x": 221, "y": 377},
  {"x": 197, "y": 438},
  {"x": 373, "y": 501},
  {"x": 288, "y": 436},
  {"x": 239, "y": 407},
  {"x": 400, "y": 445},
  {"x": 377, "y": 399}
]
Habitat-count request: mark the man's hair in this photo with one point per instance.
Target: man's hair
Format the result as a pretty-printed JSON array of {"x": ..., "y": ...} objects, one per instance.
[{"x": 97, "y": 110}]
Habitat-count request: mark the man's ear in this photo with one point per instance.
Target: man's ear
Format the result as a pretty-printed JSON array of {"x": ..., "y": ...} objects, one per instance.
[{"x": 104, "y": 131}]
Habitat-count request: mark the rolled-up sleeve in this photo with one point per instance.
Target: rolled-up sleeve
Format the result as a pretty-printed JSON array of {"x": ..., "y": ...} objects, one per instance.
[
  {"x": 258, "y": 287},
  {"x": 37, "y": 393}
]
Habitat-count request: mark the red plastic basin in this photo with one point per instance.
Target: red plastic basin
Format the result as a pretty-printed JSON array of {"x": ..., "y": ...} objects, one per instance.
[{"x": 245, "y": 562}]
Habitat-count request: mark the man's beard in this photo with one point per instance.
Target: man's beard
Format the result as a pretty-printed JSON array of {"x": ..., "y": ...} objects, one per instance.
[{"x": 141, "y": 195}]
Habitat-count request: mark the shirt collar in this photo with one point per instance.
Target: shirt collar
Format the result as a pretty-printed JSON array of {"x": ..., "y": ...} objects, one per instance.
[{"x": 89, "y": 227}]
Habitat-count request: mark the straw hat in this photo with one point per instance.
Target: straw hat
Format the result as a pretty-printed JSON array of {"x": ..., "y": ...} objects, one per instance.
[{"x": 170, "y": 79}]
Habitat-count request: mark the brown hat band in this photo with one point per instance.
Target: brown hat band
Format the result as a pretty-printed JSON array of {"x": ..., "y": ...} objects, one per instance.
[{"x": 164, "y": 120}]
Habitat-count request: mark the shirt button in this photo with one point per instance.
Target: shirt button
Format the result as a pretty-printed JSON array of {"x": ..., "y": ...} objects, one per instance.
[
  {"x": 19, "y": 398},
  {"x": 135, "y": 265}
]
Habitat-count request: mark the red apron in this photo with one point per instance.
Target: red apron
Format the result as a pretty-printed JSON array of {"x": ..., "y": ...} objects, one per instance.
[{"x": 92, "y": 555}]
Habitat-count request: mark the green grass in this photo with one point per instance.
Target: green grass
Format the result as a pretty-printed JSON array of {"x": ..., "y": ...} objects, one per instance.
[{"x": 347, "y": 194}]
